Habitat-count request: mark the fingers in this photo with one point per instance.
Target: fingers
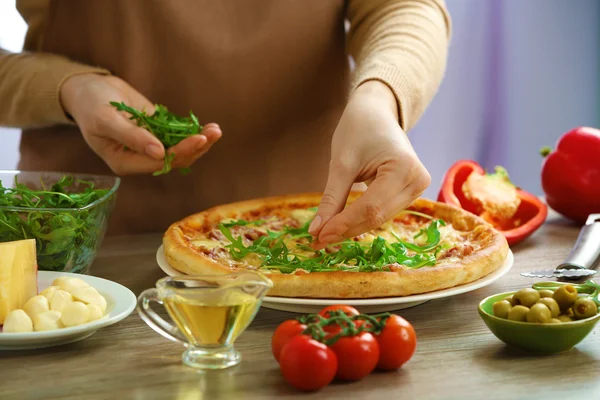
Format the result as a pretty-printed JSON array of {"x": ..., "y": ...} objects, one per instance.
[
  {"x": 137, "y": 139},
  {"x": 339, "y": 183},
  {"x": 190, "y": 149},
  {"x": 121, "y": 160},
  {"x": 213, "y": 135},
  {"x": 387, "y": 195},
  {"x": 212, "y": 132},
  {"x": 126, "y": 148},
  {"x": 368, "y": 212}
]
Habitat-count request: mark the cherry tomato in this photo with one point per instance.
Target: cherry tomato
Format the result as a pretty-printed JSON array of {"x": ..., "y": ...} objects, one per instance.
[
  {"x": 397, "y": 343},
  {"x": 348, "y": 310},
  {"x": 284, "y": 332},
  {"x": 307, "y": 364},
  {"x": 357, "y": 356}
]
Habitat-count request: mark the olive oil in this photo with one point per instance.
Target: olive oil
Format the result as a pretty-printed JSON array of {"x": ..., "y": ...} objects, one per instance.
[
  {"x": 212, "y": 322},
  {"x": 210, "y": 312}
]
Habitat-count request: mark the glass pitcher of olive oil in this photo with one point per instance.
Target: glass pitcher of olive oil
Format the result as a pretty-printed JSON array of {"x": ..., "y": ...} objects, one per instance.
[{"x": 210, "y": 312}]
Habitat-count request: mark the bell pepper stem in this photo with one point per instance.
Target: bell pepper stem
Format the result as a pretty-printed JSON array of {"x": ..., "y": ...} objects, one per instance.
[{"x": 544, "y": 151}]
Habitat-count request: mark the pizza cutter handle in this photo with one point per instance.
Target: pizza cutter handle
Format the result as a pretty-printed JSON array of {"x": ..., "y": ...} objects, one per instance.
[{"x": 586, "y": 252}]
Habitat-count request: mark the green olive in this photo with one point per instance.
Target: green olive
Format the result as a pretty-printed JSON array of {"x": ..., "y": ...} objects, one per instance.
[
  {"x": 511, "y": 300},
  {"x": 555, "y": 321},
  {"x": 518, "y": 313},
  {"x": 527, "y": 297},
  {"x": 565, "y": 296},
  {"x": 551, "y": 304},
  {"x": 564, "y": 318},
  {"x": 584, "y": 307},
  {"x": 539, "y": 313},
  {"x": 569, "y": 312},
  {"x": 502, "y": 308},
  {"x": 546, "y": 293}
]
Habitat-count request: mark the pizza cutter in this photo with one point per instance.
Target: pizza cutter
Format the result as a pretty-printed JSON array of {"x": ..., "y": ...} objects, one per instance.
[{"x": 584, "y": 256}]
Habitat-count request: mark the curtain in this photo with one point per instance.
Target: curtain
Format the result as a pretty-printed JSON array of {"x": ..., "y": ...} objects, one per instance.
[{"x": 520, "y": 73}]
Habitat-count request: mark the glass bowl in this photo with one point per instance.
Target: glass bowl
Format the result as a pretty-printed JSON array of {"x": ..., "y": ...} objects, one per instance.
[{"x": 67, "y": 239}]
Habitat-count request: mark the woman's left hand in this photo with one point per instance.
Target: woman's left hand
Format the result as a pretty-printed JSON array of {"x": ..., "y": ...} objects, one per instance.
[{"x": 368, "y": 146}]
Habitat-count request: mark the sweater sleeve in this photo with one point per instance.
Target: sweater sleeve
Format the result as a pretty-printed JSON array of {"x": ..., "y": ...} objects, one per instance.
[
  {"x": 404, "y": 44},
  {"x": 29, "y": 88}
]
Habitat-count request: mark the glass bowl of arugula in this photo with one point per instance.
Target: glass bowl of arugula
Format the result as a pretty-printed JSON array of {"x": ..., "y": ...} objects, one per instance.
[{"x": 65, "y": 213}]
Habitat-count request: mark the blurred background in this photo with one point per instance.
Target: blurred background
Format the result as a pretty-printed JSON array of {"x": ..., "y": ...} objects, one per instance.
[{"x": 520, "y": 74}]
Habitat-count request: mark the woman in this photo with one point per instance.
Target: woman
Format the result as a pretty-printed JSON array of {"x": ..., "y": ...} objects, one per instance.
[{"x": 273, "y": 76}]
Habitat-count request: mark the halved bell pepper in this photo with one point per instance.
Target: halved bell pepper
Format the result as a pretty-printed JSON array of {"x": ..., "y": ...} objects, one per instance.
[
  {"x": 571, "y": 174},
  {"x": 512, "y": 211}
]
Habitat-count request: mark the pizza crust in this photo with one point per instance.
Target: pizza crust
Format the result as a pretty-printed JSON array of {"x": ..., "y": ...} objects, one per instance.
[{"x": 340, "y": 284}]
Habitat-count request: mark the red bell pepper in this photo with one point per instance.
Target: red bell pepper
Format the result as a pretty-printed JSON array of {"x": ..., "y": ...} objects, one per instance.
[
  {"x": 512, "y": 211},
  {"x": 571, "y": 174}
]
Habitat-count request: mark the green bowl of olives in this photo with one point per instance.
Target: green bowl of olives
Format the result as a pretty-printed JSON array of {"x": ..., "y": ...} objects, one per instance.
[{"x": 549, "y": 317}]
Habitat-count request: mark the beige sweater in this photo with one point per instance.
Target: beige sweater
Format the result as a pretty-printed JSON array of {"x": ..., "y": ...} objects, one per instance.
[{"x": 268, "y": 71}]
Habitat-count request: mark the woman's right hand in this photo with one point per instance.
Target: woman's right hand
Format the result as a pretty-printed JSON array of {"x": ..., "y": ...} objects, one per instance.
[{"x": 125, "y": 147}]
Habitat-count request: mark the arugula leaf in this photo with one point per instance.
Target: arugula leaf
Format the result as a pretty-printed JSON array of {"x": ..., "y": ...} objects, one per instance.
[
  {"x": 352, "y": 256},
  {"x": 241, "y": 222},
  {"x": 433, "y": 237},
  {"x": 169, "y": 128},
  {"x": 169, "y": 157},
  {"x": 236, "y": 248}
]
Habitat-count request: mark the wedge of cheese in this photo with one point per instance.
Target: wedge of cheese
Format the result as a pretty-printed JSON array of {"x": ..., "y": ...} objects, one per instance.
[{"x": 18, "y": 275}]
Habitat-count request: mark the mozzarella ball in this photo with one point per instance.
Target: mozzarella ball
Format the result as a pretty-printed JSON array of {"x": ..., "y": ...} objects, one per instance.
[
  {"x": 49, "y": 292},
  {"x": 89, "y": 295},
  {"x": 60, "y": 300},
  {"x": 95, "y": 312},
  {"x": 57, "y": 281},
  {"x": 35, "y": 305},
  {"x": 17, "y": 321},
  {"x": 75, "y": 313},
  {"x": 47, "y": 321},
  {"x": 69, "y": 284}
]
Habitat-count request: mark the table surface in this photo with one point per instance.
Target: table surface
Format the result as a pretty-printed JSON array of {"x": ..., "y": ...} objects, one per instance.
[{"x": 457, "y": 357}]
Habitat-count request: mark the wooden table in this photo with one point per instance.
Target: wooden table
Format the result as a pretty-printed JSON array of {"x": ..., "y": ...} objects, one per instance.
[{"x": 457, "y": 357}]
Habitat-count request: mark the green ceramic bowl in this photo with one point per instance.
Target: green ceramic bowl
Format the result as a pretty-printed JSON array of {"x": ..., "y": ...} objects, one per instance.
[{"x": 539, "y": 338}]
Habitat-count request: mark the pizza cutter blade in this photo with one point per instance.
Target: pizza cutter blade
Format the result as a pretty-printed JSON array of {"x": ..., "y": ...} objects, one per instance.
[
  {"x": 584, "y": 257},
  {"x": 556, "y": 273}
]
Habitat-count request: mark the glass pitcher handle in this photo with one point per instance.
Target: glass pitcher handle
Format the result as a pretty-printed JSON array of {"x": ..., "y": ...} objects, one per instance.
[{"x": 153, "y": 320}]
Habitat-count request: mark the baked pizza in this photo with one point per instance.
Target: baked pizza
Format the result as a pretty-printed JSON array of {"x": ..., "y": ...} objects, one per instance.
[{"x": 427, "y": 247}]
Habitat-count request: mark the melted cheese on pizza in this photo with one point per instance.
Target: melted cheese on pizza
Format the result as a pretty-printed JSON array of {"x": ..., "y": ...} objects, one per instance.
[{"x": 247, "y": 230}]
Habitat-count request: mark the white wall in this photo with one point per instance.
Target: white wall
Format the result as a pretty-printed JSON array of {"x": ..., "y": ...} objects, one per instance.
[{"x": 12, "y": 33}]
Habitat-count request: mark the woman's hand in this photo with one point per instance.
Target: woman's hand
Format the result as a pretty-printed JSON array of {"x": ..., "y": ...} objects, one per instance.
[
  {"x": 125, "y": 147},
  {"x": 368, "y": 146}
]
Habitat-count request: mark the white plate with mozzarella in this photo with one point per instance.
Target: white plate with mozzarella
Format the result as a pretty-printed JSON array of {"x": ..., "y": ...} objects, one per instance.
[
  {"x": 374, "y": 305},
  {"x": 73, "y": 322}
]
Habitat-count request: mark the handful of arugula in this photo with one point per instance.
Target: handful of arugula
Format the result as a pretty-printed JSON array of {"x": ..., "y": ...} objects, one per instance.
[
  {"x": 67, "y": 232},
  {"x": 169, "y": 128}
]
